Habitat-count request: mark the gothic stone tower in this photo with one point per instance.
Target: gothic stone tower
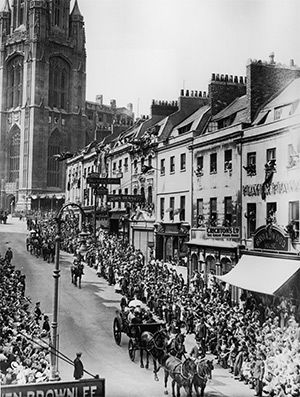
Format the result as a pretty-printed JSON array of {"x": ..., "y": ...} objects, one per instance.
[{"x": 42, "y": 98}]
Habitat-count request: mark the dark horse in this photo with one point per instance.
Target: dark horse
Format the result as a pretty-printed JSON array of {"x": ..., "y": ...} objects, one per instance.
[
  {"x": 76, "y": 273},
  {"x": 181, "y": 372},
  {"x": 154, "y": 345},
  {"x": 203, "y": 373}
]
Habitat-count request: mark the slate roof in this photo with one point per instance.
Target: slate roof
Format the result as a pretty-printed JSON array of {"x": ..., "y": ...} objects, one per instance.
[
  {"x": 194, "y": 119},
  {"x": 290, "y": 94},
  {"x": 173, "y": 120},
  {"x": 237, "y": 106}
]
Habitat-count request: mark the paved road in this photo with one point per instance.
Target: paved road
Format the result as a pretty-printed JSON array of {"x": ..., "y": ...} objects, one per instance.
[{"x": 85, "y": 324}]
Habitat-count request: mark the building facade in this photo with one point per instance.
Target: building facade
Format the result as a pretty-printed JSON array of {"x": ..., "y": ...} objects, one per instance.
[{"x": 218, "y": 173}]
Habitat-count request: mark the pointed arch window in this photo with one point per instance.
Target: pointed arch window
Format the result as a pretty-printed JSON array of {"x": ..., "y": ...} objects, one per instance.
[
  {"x": 59, "y": 73},
  {"x": 53, "y": 166},
  {"x": 14, "y": 156},
  {"x": 14, "y": 82},
  {"x": 56, "y": 13}
]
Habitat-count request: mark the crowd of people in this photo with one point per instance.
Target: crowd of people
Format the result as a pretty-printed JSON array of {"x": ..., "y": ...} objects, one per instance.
[
  {"x": 257, "y": 340},
  {"x": 24, "y": 336}
]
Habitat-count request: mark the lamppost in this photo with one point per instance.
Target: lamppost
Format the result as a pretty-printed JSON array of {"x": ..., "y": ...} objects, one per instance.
[{"x": 56, "y": 275}]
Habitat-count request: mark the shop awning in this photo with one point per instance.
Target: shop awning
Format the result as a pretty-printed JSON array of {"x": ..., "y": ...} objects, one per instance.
[{"x": 261, "y": 274}]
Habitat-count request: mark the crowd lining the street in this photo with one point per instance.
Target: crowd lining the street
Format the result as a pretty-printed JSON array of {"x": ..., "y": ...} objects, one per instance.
[
  {"x": 258, "y": 342},
  {"x": 24, "y": 333}
]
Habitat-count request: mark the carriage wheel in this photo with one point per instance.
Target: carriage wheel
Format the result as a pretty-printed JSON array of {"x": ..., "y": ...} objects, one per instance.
[
  {"x": 131, "y": 350},
  {"x": 117, "y": 331}
]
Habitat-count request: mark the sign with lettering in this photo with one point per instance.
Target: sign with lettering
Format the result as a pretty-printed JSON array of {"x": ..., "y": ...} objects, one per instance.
[
  {"x": 274, "y": 188},
  {"x": 270, "y": 237},
  {"x": 103, "y": 181},
  {"x": 126, "y": 198},
  {"x": 222, "y": 231},
  {"x": 101, "y": 191},
  {"x": 82, "y": 388}
]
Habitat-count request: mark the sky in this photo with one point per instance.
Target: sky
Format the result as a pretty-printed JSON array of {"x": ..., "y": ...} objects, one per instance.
[{"x": 139, "y": 50}]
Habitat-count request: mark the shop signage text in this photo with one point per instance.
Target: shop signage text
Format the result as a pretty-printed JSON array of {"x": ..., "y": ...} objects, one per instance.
[
  {"x": 83, "y": 388},
  {"x": 91, "y": 179},
  {"x": 223, "y": 231},
  {"x": 271, "y": 238},
  {"x": 274, "y": 188}
]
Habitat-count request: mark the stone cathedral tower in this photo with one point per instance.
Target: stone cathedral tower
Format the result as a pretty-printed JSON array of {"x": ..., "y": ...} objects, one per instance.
[{"x": 42, "y": 99}]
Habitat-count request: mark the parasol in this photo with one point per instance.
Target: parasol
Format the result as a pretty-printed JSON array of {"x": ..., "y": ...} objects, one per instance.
[{"x": 136, "y": 303}]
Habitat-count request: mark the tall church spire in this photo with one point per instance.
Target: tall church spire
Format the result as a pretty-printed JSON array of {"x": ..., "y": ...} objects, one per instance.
[{"x": 76, "y": 12}]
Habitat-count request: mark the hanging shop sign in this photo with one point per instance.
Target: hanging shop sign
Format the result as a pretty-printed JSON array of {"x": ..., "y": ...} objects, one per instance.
[
  {"x": 271, "y": 238},
  {"x": 274, "y": 188},
  {"x": 223, "y": 231},
  {"x": 126, "y": 198},
  {"x": 92, "y": 179},
  {"x": 84, "y": 388}
]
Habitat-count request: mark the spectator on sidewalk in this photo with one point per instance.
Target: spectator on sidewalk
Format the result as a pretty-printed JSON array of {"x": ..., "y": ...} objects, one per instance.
[{"x": 78, "y": 367}]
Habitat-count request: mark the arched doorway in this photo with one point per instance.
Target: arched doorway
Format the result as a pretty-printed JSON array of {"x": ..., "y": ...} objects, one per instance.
[
  {"x": 226, "y": 265},
  {"x": 210, "y": 261}
]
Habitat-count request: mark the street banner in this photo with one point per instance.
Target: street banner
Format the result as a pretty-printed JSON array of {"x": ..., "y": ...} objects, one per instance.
[
  {"x": 81, "y": 388},
  {"x": 126, "y": 198},
  {"x": 103, "y": 181}
]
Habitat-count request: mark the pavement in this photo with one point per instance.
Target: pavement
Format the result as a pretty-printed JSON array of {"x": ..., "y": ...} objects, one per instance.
[{"x": 222, "y": 383}]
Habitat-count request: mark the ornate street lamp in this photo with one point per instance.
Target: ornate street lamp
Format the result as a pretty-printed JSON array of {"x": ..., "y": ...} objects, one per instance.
[{"x": 56, "y": 275}]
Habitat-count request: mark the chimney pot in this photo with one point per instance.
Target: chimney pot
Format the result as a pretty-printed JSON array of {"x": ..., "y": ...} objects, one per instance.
[
  {"x": 196, "y": 93},
  {"x": 241, "y": 80},
  {"x": 236, "y": 79},
  {"x": 231, "y": 78},
  {"x": 213, "y": 76},
  {"x": 200, "y": 93},
  {"x": 226, "y": 77},
  {"x": 222, "y": 77},
  {"x": 182, "y": 92},
  {"x": 217, "y": 77},
  {"x": 204, "y": 94},
  {"x": 272, "y": 56},
  {"x": 292, "y": 63},
  {"x": 187, "y": 93}
]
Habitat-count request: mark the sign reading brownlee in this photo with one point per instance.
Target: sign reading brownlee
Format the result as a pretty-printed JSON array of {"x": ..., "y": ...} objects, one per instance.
[
  {"x": 82, "y": 388},
  {"x": 270, "y": 238}
]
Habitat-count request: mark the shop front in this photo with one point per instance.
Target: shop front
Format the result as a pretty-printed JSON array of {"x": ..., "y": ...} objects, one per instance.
[
  {"x": 270, "y": 268},
  {"x": 170, "y": 241},
  {"x": 213, "y": 251}
]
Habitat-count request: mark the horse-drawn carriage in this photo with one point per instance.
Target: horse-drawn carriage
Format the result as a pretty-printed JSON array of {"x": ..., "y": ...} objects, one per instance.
[
  {"x": 153, "y": 339},
  {"x": 134, "y": 332}
]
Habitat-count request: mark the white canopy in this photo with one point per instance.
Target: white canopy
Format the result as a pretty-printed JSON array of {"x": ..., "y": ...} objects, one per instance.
[{"x": 261, "y": 274}]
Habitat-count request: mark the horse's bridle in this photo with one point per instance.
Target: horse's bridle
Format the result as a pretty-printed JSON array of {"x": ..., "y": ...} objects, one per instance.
[{"x": 154, "y": 342}]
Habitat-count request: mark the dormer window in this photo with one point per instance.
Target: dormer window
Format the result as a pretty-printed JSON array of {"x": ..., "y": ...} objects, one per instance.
[{"x": 184, "y": 129}]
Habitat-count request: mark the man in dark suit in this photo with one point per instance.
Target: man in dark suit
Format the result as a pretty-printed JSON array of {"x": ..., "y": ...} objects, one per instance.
[{"x": 78, "y": 367}]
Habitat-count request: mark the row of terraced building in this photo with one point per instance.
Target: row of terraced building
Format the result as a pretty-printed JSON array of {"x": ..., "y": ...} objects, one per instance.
[{"x": 216, "y": 175}]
